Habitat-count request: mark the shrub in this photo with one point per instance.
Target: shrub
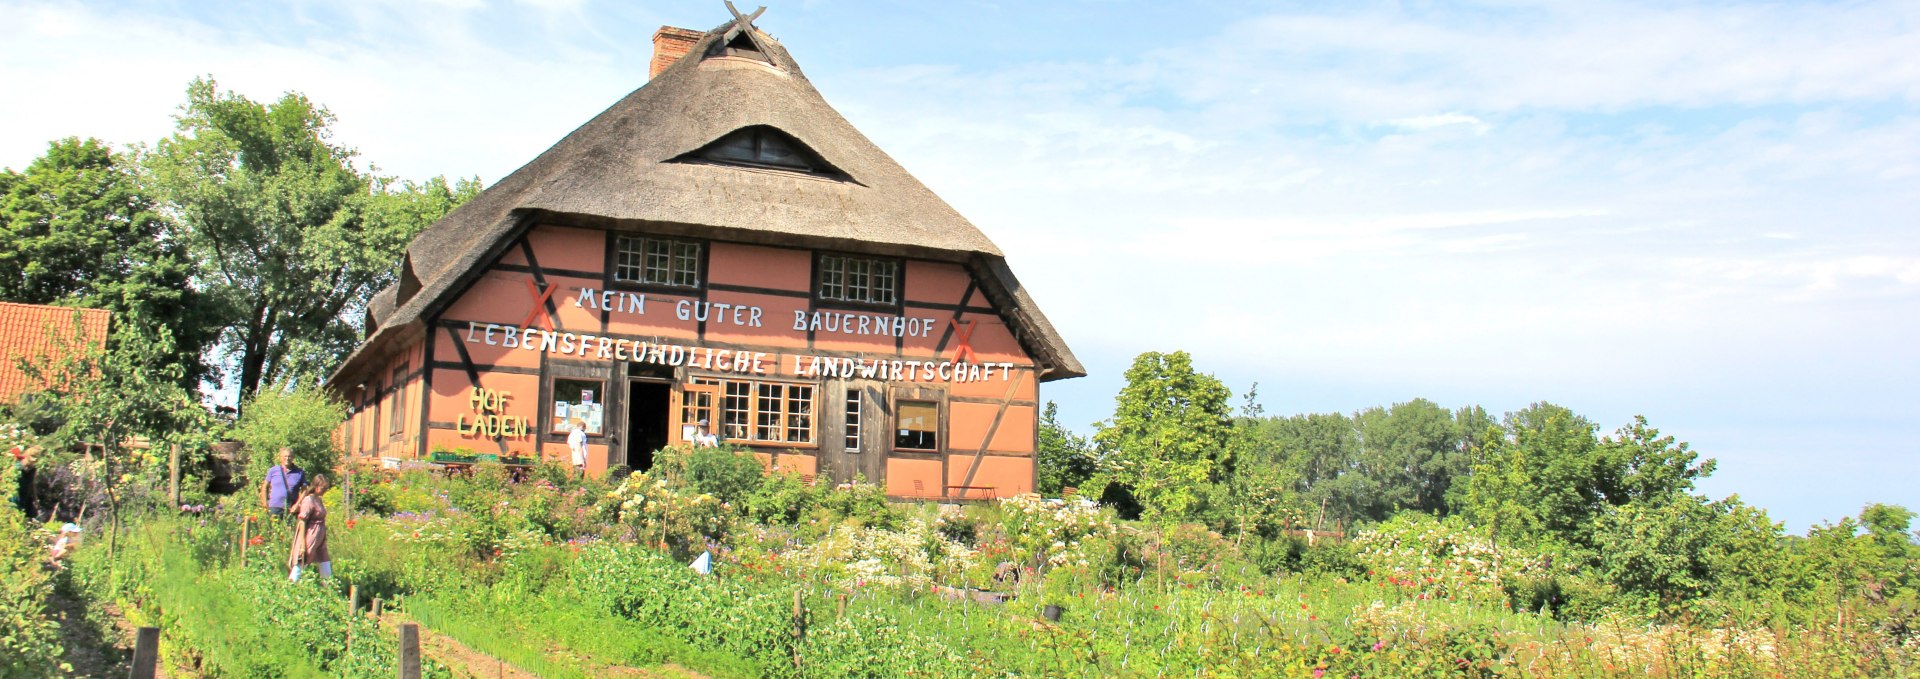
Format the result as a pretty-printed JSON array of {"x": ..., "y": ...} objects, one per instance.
[
  {"x": 731, "y": 476},
  {"x": 302, "y": 419},
  {"x": 29, "y": 637}
]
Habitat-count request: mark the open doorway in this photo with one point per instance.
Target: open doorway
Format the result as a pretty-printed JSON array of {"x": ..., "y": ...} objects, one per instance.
[{"x": 647, "y": 407}]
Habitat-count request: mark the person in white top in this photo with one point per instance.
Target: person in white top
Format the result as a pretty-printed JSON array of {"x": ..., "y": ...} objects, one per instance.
[
  {"x": 705, "y": 439},
  {"x": 577, "y": 445}
]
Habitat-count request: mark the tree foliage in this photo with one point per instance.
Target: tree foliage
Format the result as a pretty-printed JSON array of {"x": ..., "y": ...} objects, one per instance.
[
  {"x": 78, "y": 229},
  {"x": 1170, "y": 437},
  {"x": 290, "y": 240}
]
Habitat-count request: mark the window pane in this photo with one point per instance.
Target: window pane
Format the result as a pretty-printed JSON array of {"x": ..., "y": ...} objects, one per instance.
[
  {"x": 627, "y": 265},
  {"x": 799, "y": 413},
  {"x": 686, "y": 264},
  {"x": 919, "y": 423},
  {"x": 577, "y": 398},
  {"x": 738, "y": 408},
  {"x": 853, "y": 421}
]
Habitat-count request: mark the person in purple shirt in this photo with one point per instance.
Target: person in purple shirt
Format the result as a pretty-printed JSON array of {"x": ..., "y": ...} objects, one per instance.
[{"x": 282, "y": 484}]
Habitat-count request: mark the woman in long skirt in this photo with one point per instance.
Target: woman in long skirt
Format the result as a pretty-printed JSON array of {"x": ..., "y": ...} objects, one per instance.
[{"x": 310, "y": 532}]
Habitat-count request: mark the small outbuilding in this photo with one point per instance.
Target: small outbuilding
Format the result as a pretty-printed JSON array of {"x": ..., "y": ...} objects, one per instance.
[{"x": 719, "y": 246}]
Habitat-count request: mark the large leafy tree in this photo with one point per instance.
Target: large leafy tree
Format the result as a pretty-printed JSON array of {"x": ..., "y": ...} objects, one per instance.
[
  {"x": 1170, "y": 438},
  {"x": 290, "y": 238},
  {"x": 77, "y": 229}
]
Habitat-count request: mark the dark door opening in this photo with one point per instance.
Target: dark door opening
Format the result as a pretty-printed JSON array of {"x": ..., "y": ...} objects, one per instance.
[{"x": 647, "y": 407}]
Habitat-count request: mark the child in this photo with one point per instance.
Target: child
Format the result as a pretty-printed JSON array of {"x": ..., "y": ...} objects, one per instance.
[{"x": 64, "y": 545}]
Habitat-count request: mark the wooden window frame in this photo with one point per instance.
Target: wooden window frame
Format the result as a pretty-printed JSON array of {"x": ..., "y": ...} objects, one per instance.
[
  {"x": 558, "y": 426},
  {"x": 939, "y": 425},
  {"x": 687, "y": 402},
  {"x": 752, "y": 410},
  {"x": 397, "y": 414},
  {"x": 823, "y": 260},
  {"x": 617, "y": 251},
  {"x": 853, "y": 419}
]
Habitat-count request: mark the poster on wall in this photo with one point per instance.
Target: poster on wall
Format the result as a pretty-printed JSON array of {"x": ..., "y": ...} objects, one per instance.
[
  {"x": 560, "y": 411},
  {"x": 586, "y": 395},
  {"x": 593, "y": 418}
]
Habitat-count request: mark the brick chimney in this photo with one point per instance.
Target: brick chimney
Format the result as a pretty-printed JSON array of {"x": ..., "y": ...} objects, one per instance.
[{"x": 669, "y": 44}]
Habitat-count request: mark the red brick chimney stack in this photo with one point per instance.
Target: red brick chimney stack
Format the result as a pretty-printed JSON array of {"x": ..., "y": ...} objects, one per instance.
[{"x": 669, "y": 44}]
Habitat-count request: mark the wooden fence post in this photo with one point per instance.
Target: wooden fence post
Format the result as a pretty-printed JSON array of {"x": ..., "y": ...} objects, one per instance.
[
  {"x": 799, "y": 625},
  {"x": 146, "y": 653},
  {"x": 245, "y": 523},
  {"x": 346, "y": 500},
  {"x": 353, "y": 599},
  {"x": 409, "y": 651},
  {"x": 376, "y": 609},
  {"x": 173, "y": 475}
]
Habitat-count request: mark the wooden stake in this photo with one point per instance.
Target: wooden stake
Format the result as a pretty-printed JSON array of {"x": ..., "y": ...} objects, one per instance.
[
  {"x": 146, "y": 653},
  {"x": 376, "y": 609},
  {"x": 173, "y": 475},
  {"x": 245, "y": 523},
  {"x": 409, "y": 651},
  {"x": 799, "y": 625},
  {"x": 353, "y": 598}
]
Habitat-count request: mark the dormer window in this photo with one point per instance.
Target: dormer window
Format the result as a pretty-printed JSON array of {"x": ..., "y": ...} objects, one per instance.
[
  {"x": 758, "y": 146},
  {"x": 765, "y": 147}
]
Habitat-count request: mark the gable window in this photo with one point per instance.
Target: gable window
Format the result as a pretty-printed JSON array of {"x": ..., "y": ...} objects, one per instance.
[
  {"x": 859, "y": 279},
  {"x": 919, "y": 426},
  {"x": 657, "y": 261},
  {"x": 762, "y": 146}
]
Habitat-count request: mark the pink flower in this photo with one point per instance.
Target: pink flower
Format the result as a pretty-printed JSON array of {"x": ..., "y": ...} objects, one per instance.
[
  {"x": 1380, "y": 644},
  {"x": 1319, "y": 672}
]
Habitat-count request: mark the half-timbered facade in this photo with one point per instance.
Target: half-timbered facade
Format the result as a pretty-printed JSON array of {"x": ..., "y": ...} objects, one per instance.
[{"x": 718, "y": 246}]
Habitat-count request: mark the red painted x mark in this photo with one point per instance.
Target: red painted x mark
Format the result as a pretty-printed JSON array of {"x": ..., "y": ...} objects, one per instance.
[
  {"x": 540, "y": 298},
  {"x": 963, "y": 341}
]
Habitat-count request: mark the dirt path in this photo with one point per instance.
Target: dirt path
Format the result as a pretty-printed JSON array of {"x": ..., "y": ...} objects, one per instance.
[
  {"x": 89, "y": 650},
  {"x": 467, "y": 663}
]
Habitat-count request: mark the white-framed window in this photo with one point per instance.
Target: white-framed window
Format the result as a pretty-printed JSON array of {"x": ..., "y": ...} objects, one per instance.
[
  {"x": 853, "y": 421},
  {"x": 763, "y": 412},
  {"x": 657, "y": 261},
  {"x": 859, "y": 279}
]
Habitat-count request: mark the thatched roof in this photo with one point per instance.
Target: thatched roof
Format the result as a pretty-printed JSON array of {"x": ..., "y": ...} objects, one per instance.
[{"x": 628, "y": 168}]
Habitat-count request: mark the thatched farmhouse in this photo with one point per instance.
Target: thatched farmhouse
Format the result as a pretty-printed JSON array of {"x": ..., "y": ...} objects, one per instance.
[{"x": 720, "y": 246}]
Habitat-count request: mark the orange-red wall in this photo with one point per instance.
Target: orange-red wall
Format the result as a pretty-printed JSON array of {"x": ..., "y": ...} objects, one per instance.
[{"x": 989, "y": 428}]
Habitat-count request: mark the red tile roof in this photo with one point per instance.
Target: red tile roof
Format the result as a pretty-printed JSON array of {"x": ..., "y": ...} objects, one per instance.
[{"x": 29, "y": 330}]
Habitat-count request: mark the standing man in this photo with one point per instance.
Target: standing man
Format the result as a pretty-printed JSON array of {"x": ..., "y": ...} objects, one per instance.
[
  {"x": 705, "y": 439},
  {"x": 577, "y": 447},
  {"x": 282, "y": 484}
]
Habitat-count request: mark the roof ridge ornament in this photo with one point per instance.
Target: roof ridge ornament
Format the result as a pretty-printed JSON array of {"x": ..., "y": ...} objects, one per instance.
[
  {"x": 742, "y": 26},
  {"x": 742, "y": 23}
]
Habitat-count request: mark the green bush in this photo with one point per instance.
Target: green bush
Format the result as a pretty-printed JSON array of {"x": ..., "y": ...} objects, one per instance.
[
  {"x": 731, "y": 476},
  {"x": 29, "y": 637},
  {"x": 302, "y": 419}
]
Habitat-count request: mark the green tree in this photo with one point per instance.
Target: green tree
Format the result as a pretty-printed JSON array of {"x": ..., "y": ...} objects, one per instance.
[
  {"x": 1065, "y": 458},
  {"x": 1409, "y": 456},
  {"x": 1170, "y": 437},
  {"x": 103, "y": 398},
  {"x": 76, "y": 229},
  {"x": 1684, "y": 554},
  {"x": 290, "y": 239}
]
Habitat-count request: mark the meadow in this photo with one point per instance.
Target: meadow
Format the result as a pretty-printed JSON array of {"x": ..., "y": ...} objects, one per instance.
[{"x": 569, "y": 578}]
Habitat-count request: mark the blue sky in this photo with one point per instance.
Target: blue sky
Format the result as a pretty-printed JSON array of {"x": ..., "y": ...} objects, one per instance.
[{"x": 1704, "y": 213}]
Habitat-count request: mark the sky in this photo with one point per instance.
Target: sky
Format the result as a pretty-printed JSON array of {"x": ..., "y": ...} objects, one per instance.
[{"x": 1707, "y": 214}]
